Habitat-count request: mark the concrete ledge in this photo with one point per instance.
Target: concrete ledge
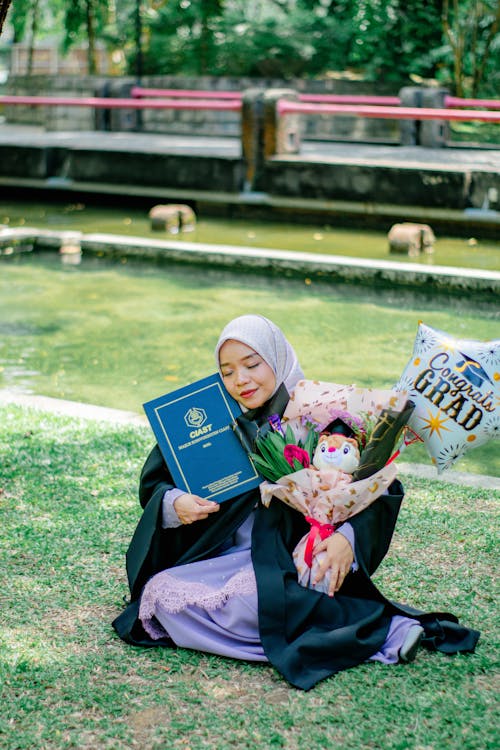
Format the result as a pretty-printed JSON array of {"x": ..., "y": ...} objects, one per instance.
[
  {"x": 327, "y": 267},
  {"x": 332, "y": 268},
  {"x": 339, "y": 179},
  {"x": 448, "y": 186},
  {"x": 116, "y": 416},
  {"x": 72, "y": 408},
  {"x": 425, "y": 471}
]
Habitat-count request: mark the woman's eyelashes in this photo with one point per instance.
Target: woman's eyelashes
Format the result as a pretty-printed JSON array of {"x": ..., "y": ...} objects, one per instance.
[{"x": 228, "y": 373}]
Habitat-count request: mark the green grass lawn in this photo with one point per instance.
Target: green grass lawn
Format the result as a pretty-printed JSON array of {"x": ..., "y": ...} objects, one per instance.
[{"x": 68, "y": 508}]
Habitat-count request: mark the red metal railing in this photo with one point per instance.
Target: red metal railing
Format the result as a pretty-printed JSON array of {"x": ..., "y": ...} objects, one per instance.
[
  {"x": 389, "y": 101},
  {"x": 121, "y": 103},
  {"x": 456, "y": 101},
  {"x": 285, "y": 106},
  {"x": 139, "y": 92},
  {"x": 350, "y": 99}
]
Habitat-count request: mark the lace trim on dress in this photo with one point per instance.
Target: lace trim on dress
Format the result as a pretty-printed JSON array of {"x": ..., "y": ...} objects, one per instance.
[{"x": 175, "y": 595}]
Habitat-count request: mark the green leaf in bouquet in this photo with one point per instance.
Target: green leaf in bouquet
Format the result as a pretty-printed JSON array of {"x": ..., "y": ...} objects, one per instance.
[
  {"x": 311, "y": 442},
  {"x": 271, "y": 449},
  {"x": 276, "y": 441},
  {"x": 264, "y": 468},
  {"x": 284, "y": 467},
  {"x": 273, "y": 470},
  {"x": 265, "y": 446},
  {"x": 268, "y": 449},
  {"x": 289, "y": 436},
  {"x": 276, "y": 445}
]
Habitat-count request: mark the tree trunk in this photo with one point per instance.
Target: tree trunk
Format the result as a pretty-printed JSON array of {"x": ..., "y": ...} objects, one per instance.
[
  {"x": 480, "y": 64},
  {"x": 456, "y": 38},
  {"x": 465, "y": 35},
  {"x": 91, "y": 56},
  {"x": 4, "y": 7},
  {"x": 204, "y": 42},
  {"x": 33, "y": 30}
]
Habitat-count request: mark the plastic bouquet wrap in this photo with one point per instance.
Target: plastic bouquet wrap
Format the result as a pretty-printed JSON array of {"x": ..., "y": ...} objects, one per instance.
[{"x": 328, "y": 497}]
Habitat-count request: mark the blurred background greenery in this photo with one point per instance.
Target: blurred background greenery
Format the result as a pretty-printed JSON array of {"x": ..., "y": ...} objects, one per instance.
[{"x": 388, "y": 41}]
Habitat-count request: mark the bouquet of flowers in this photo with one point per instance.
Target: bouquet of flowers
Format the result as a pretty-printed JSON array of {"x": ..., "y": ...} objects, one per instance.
[{"x": 328, "y": 497}]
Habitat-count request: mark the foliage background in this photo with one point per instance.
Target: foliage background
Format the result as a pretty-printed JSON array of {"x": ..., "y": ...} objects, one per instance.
[{"x": 453, "y": 41}]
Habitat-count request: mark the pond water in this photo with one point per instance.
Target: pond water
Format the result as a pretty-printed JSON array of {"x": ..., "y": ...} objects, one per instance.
[
  {"x": 118, "y": 334},
  {"x": 322, "y": 238}
]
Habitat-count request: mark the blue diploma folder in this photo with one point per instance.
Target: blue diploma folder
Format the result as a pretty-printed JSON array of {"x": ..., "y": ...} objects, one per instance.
[{"x": 193, "y": 427}]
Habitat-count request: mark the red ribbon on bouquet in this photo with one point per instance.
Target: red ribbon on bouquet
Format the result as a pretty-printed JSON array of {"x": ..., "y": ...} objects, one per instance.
[{"x": 323, "y": 530}]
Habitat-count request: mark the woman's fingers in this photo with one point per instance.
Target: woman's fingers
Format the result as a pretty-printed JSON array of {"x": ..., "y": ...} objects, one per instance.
[
  {"x": 337, "y": 561},
  {"x": 191, "y": 508},
  {"x": 337, "y": 575},
  {"x": 206, "y": 507}
]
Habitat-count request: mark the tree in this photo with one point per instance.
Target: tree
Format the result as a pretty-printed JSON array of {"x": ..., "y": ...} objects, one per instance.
[
  {"x": 31, "y": 19},
  {"x": 182, "y": 36},
  {"x": 85, "y": 18},
  {"x": 471, "y": 29},
  {"x": 4, "y": 7},
  {"x": 454, "y": 41},
  {"x": 26, "y": 15},
  {"x": 394, "y": 38}
]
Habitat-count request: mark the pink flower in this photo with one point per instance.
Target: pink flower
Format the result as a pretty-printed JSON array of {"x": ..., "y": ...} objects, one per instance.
[{"x": 292, "y": 452}]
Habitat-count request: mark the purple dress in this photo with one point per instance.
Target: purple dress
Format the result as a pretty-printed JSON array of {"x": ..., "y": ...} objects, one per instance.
[{"x": 211, "y": 605}]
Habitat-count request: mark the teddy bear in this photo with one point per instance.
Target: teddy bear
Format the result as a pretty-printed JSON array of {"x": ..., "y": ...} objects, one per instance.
[{"x": 336, "y": 452}]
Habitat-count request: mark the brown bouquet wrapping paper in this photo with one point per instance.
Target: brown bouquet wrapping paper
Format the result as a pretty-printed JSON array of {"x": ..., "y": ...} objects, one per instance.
[{"x": 328, "y": 498}]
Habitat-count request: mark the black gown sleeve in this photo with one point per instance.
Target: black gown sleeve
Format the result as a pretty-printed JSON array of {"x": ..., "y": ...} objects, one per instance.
[
  {"x": 374, "y": 527},
  {"x": 155, "y": 477}
]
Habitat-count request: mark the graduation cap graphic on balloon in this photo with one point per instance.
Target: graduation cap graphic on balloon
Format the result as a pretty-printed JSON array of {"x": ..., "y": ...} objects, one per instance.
[{"x": 472, "y": 370}]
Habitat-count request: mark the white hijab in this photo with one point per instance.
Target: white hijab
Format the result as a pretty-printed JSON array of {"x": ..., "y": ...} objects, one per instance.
[{"x": 264, "y": 337}]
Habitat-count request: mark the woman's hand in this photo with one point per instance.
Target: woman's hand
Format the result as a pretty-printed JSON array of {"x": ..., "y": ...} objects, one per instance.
[
  {"x": 338, "y": 560},
  {"x": 191, "y": 508}
]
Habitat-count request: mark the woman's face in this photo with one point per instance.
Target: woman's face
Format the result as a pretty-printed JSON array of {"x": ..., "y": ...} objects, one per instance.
[{"x": 247, "y": 377}]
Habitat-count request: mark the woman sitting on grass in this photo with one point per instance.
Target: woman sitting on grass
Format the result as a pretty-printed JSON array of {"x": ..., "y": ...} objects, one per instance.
[{"x": 221, "y": 578}]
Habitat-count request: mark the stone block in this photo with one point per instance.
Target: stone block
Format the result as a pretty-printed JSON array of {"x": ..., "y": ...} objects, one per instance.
[
  {"x": 434, "y": 133},
  {"x": 252, "y": 118},
  {"x": 156, "y": 169},
  {"x": 265, "y": 133},
  {"x": 172, "y": 218},
  {"x": 411, "y": 239},
  {"x": 281, "y": 132},
  {"x": 430, "y": 133},
  {"x": 70, "y": 250},
  {"x": 23, "y": 161},
  {"x": 409, "y": 130},
  {"x": 374, "y": 182}
]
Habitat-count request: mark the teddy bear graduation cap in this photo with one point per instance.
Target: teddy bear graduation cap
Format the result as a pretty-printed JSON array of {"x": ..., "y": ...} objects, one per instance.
[{"x": 339, "y": 427}]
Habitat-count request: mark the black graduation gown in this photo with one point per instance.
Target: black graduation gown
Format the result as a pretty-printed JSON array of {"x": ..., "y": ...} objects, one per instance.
[{"x": 306, "y": 635}]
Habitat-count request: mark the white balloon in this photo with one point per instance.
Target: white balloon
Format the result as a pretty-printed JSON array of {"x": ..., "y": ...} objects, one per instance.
[{"x": 454, "y": 384}]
